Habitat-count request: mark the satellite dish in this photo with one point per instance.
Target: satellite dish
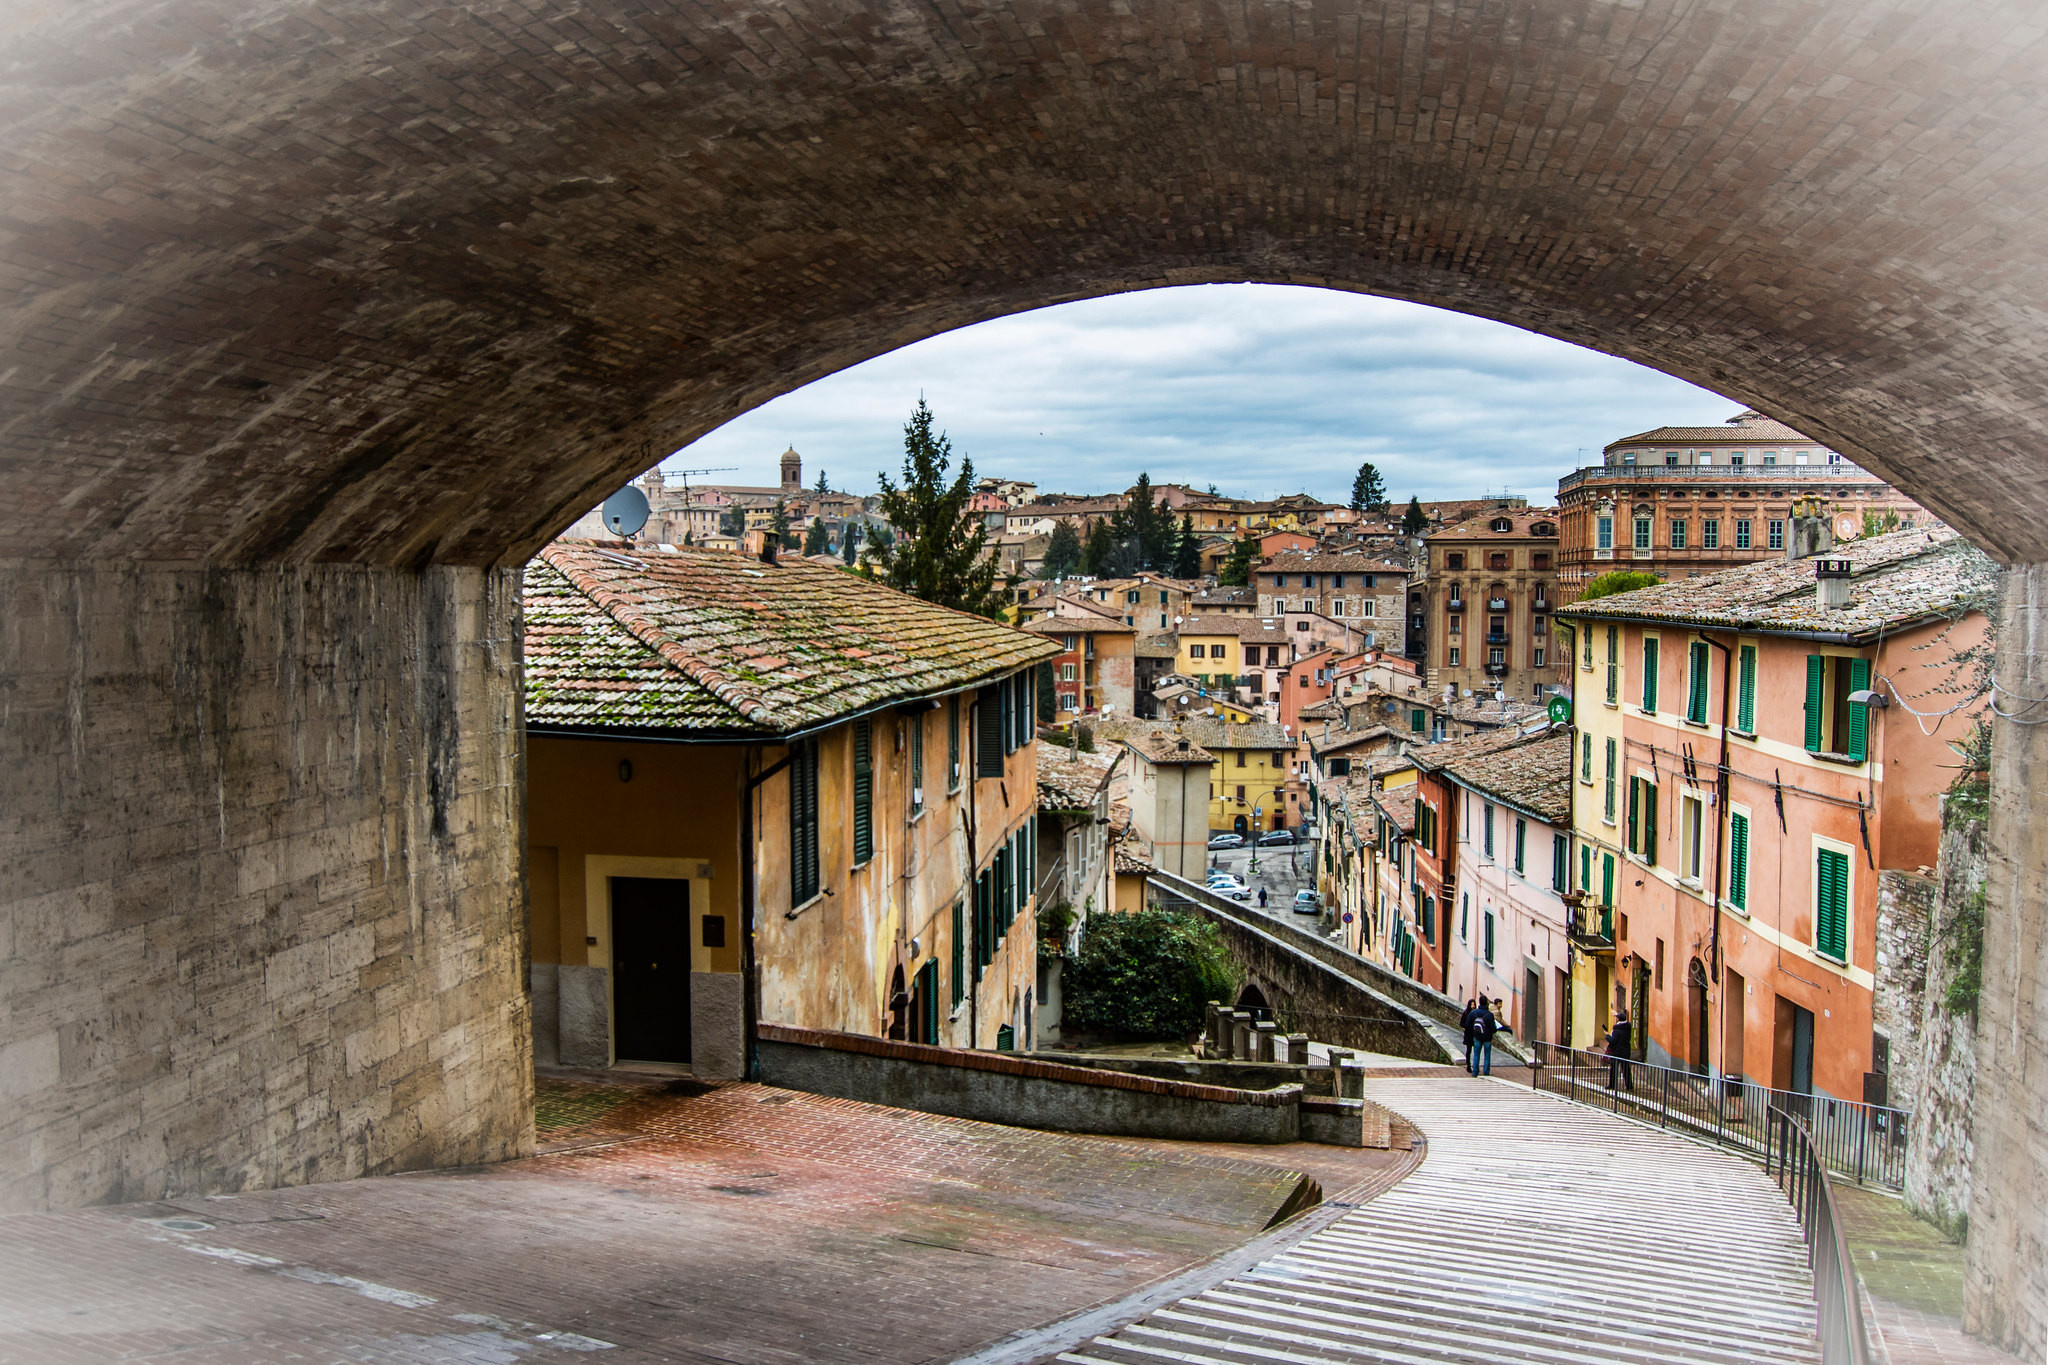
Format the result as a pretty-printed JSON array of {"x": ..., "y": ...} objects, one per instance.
[{"x": 625, "y": 511}]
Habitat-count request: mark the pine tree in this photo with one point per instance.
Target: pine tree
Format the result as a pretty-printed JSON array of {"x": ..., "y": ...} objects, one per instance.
[
  {"x": 1414, "y": 521},
  {"x": 1062, "y": 553},
  {"x": 1048, "y": 704},
  {"x": 1187, "y": 555},
  {"x": 815, "y": 539},
  {"x": 1368, "y": 492},
  {"x": 732, "y": 522},
  {"x": 1236, "y": 570},
  {"x": 941, "y": 557},
  {"x": 1098, "y": 549},
  {"x": 823, "y": 487},
  {"x": 849, "y": 542},
  {"x": 778, "y": 526}
]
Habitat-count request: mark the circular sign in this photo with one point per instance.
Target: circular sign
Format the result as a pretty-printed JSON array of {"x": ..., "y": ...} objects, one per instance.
[
  {"x": 1347, "y": 917},
  {"x": 625, "y": 511},
  {"x": 1560, "y": 710}
]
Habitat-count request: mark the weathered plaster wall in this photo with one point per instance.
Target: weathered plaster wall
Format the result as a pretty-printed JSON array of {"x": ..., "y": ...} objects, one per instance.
[
  {"x": 1941, "y": 1050},
  {"x": 263, "y": 918},
  {"x": 2007, "y": 1285}
]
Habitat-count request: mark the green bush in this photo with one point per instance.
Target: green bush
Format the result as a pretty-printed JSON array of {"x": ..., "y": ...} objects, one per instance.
[{"x": 1146, "y": 974}]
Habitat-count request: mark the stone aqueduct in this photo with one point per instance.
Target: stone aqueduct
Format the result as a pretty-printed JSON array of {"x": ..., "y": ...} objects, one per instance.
[{"x": 320, "y": 318}]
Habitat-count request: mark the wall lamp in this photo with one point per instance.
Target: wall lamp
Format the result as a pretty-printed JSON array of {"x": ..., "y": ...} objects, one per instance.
[{"x": 1869, "y": 697}]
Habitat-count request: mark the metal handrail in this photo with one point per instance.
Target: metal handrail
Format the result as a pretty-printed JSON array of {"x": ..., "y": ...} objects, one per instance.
[
  {"x": 1795, "y": 1163},
  {"x": 1864, "y": 1143}
]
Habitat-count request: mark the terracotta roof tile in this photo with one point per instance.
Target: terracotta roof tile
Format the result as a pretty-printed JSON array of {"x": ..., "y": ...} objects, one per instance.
[
  {"x": 1163, "y": 746},
  {"x": 1069, "y": 781},
  {"x": 713, "y": 642},
  {"x": 1534, "y": 773}
]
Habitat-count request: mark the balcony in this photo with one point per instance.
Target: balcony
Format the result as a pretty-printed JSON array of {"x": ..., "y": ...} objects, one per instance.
[
  {"x": 1496, "y": 670},
  {"x": 1496, "y": 604},
  {"x": 1592, "y": 926},
  {"x": 1540, "y": 604},
  {"x": 1775, "y": 475},
  {"x": 1455, "y": 604},
  {"x": 1496, "y": 637}
]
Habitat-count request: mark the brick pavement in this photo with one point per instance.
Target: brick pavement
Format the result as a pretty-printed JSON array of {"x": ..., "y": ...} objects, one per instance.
[
  {"x": 661, "y": 1221},
  {"x": 1913, "y": 1281}
]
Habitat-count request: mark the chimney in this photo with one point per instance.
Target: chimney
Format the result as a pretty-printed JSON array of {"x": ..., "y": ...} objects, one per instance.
[
  {"x": 1811, "y": 531},
  {"x": 1831, "y": 578}
]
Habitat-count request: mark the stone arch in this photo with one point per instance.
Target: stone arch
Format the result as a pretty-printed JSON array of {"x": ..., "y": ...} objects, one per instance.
[{"x": 1251, "y": 997}]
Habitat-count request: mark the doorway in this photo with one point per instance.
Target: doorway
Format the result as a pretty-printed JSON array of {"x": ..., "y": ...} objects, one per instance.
[
  {"x": 1639, "y": 1013},
  {"x": 1696, "y": 1002},
  {"x": 1532, "y": 1004},
  {"x": 1734, "y": 1001},
  {"x": 1801, "y": 1080},
  {"x": 650, "y": 969}
]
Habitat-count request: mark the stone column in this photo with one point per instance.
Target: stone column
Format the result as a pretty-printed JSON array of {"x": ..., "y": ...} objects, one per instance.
[
  {"x": 1297, "y": 1049},
  {"x": 264, "y": 912},
  {"x": 1240, "y": 1035},
  {"x": 1263, "y": 1034},
  {"x": 2006, "y": 1289}
]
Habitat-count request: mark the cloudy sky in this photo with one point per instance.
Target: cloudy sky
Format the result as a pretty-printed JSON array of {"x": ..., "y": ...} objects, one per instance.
[{"x": 1258, "y": 389}]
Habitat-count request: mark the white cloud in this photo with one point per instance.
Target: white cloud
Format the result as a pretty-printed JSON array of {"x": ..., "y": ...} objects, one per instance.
[{"x": 1260, "y": 389}]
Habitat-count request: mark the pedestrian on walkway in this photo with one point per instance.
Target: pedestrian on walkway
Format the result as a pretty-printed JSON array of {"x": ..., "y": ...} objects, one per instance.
[
  {"x": 1465, "y": 1025},
  {"x": 1620, "y": 1039},
  {"x": 1484, "y": 1026},
  {"x": 1262, "y": 898}
]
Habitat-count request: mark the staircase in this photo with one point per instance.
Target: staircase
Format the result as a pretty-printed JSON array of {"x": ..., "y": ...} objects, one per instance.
[{"x": 1535, "y": 1232}]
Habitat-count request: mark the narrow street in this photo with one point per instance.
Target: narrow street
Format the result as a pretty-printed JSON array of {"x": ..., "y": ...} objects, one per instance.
[{"x": 1281, "y": 870}]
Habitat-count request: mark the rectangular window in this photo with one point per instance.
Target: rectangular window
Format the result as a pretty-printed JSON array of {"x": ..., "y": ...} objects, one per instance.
[
  {"x": 1642, "y": 819},
  {"x": 1603, "y": 533},
  {"x": 1857, "y": 742},
  {"x": 984, "y": 919},
  {"x": 1585, "y": 867},
  {"x": 1816, "y": 701},
  {"x": 1611, "y": 763},
  {"x": 988, "y": 732},
  {"x": 953, "y": 742},
  {"x": 1692, "y": 832},
  {"x": 1650, "y": 675},
  {"x": 1021, "y": 708},
  {"x": 1488, "y": 925},
  {"x": 1607, "y": 879},
  {"x": 1417, "y": 718},
  {"x": 1486, "y": 824},
  {"x": 1521, "y": 845},
  {"x": 1678, "y": 533},
  {"x": 959, "y": 953},
  {"x": 1586, "y": 758},
  {"x": 1710, "y": 534},
  {"x": 1465, "y": 917},
  {"x": 1696, "y": 692},
  {"x": 803, "y": 821},
  {"x": 1613, "y": 665},
  {"x": 1560, "y": 863},
  {"x": 1831, "y": 904},
  {"x": 1586, "y": 647},
  {"x": 1774, "y": 534},
  {"x": 1454, "y": 656},
  {"x": 1643, "y": 525},
  {"x": 1066, "y": 672},
  {"x": 863, "y": 792},
  {"x": 1738, "y": 860},
  {"x": 1742, "y": 533},
  {"x": 916, "y": 723},
  {"x": 1745, "y": 689}
]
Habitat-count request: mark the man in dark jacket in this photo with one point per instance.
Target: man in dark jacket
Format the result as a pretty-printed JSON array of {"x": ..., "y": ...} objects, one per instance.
[
  {"x": 1481, "y": 1051},
  {"x": 1620, "y": 1039},
  {"x": 1465, "y": 1024}
]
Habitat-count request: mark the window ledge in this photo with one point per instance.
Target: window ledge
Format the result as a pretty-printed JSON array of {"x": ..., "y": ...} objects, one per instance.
[
  {"x": 1690, "y": 883},
  {"x": 796, "y": 910},
  {"x": 1842, "y": 759},
  {"x": 1611, "y": 705},
  {"x": 1696, "y": 724},
  {"x": 1749, "y": 735}
]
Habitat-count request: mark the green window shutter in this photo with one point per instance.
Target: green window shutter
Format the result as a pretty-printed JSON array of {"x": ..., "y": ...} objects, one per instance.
[
  {"x": 1745, "y": 697},
  {"x": 1560, "y": 863},
  {"x": 1634, "y": 802},
  {"x": 1831, "y": 904},
  {"x": 863, "y": 792},
  {"x": 959, "y": 953},
  {"x": 1415, "y": 720},
  {"x": 1650, "y": 823},
  {"x": 1610, "y": 778},
  {"x": 803, "y": 821},
  {"x": 1696, "y": 702},
  {"x": 953, "y": 742},
  {"x": 1816, "y": 696},
  {"x": 1521, "y": 844},
  {"x": 1649, "y": 675},
  {"x": 988, "y": 732},
  {"x": 1585, "y": 867},
  {"x": 1489, "y": 936},
  {"x": 1859, "y": 714},
  {"x": 1738, "y": 861},
  {"x": 1607, "y": 879}
]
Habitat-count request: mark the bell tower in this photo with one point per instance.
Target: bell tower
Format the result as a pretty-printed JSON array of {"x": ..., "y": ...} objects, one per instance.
[{"x": 792, "y": 471}]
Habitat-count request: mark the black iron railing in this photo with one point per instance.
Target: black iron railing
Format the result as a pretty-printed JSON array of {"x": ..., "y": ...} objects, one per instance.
[
  {"x": 1865, "y": 1143},
  {"x": 1794, "y": 1161}
]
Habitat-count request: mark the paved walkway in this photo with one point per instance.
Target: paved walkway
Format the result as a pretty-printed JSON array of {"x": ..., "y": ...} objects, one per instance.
[
  {"x": 1913, "y": 1278},
  {"x": 1535, "y": 1232}
]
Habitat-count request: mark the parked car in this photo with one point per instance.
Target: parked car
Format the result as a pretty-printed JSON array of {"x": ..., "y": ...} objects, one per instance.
[
  {"x": 1278, "y": 836},
  {"x": 1225, "y": 879},
  {"x": 1227, "y": 841},
  {"x": 1236, "y": 893},
  {"x": 1307, "y": 903}
]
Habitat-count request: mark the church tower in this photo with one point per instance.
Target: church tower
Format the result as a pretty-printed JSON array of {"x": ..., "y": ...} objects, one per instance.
[{"x": 792, "y": 471}]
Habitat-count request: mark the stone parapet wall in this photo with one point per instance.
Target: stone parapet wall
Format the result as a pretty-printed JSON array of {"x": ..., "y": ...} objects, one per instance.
[
  {"x": 264, "y": 908},
  {"x": 1905, "y": 906},
  {"x": 1942, "y": 1058}
]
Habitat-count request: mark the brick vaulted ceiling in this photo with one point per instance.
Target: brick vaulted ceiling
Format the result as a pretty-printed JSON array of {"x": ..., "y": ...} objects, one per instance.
[{"x": 400, "y": 281}]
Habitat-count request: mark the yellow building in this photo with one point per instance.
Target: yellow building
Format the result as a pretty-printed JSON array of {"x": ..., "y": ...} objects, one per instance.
[
  {"x": 1248, "y": 780},
  {"x": 1597, "y": 853},
  {"x": 770, "y": 790}
]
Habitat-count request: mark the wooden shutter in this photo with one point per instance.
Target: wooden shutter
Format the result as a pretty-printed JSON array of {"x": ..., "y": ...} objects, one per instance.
[
  {"x": 803, "y": 821},
  {"x": 1607, "y": 879},
  {"x": 1585, "y": 867},
  {"x": 863, "y": 792},
  {"x": 1521, "y": 844},
  {"x": 959, "y": 953},
  {"x": 1610, "y": 778},
  {"x": 1649, "y": 849},
  {"x": 953, "y": 742},
  {"x": 1816, "y": 700},
  {"x": 1649, "y": 675},
  {"x": 1745, "y": 697},
  {"x": 1635, "y": 798},
  {"x": 1696, "y": 702},
  {"x": 984, "y": 920},
  {"x": 988, "y": 732},
  {"x": 1738, "y": 861},
  {"x": 1859, "y": 714},
  {"x": 1831, "y": 904},
  {"x": 1560, "y": 863}
]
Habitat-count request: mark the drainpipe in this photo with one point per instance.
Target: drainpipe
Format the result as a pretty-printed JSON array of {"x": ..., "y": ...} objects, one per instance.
[{"x": 1720, "y": 847}]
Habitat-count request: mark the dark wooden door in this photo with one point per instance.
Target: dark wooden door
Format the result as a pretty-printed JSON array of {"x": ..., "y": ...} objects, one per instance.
[
  {"x": 1802, "y": 1050},
  {"x": 651, "y": 969}
]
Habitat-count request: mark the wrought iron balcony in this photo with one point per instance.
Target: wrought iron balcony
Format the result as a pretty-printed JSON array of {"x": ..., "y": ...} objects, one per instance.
[
  {"x": 1497, "y": 604},
  {"x": 1496, "y": 637},
  {"x": 1592, "y": 927},
  {"x": 1496, "y": 670},
  {"x": 1455, "y": 604}
]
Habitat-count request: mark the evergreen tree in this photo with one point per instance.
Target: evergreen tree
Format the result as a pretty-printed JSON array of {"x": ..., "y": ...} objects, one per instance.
[
  {"x": 823, "y": 487},
  {"x": 1187, "y": 555},
  {"x": 1368, "y": 493},
  {"x": 1048, "y": 704},
  {"x": 815, "y": 539},
  {"x": 1414, "y": 521},
  {"x": 849, "y": 542},
  {"x": 1097, "y": 550},
  {"x": 1236, "y": 570},
  {"x": 941, "y": 558},
  {"x": 732, "y": 522},
  {"x": 778, "y": 526},
  {"x": 1062, "y": 553}
]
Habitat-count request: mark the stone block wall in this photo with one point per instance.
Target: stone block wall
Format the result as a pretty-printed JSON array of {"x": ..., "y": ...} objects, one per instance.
[
  {"x": 262, "y": 911},
  {"x": 1905, "y": 906},
  {"x": 1943, "y": 1045}
]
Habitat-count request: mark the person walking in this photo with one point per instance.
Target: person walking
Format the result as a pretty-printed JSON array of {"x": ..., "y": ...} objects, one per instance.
[
  {"x": 1465, "y": 1024},
  {"x": 1262, "y": 898},
  {"x": 1484, "y": 1026},
  {"x": 1620, "y": 1039}
]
